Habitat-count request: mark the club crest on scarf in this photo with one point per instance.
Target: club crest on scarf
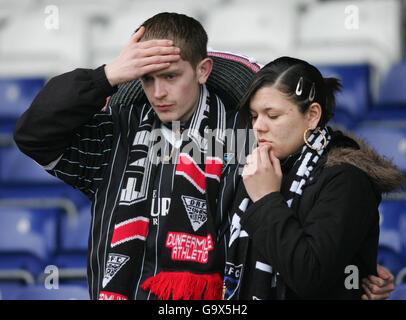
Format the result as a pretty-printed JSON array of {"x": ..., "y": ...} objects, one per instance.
[
  {"x": 114, "y": 263},
  {"x": 196, "y": 211},
  {"x": 232, "y": 276}
]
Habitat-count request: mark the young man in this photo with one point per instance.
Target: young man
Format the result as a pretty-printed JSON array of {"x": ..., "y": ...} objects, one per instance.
[
  {"x": 167, "y": 208},
  {"x": 155, "y": 224}
]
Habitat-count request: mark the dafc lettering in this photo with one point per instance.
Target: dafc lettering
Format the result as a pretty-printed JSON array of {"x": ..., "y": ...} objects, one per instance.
[{"x": 187, "y": 247}]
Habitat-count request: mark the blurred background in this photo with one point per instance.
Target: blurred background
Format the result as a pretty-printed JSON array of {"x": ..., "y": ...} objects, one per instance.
[{"x": 44, "y": 224}]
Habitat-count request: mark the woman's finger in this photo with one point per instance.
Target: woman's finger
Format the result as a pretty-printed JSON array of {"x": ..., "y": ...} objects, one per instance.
[
  {"x": 264, "y": 156},
  {"x": 276, "y": 164}
]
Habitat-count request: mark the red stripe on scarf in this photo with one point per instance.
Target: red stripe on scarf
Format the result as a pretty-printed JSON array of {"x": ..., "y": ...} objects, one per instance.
[
  {"x": 136, "y": 228},
  {"x": 191, "y": 171},
  {"x": 213, "y": 167}
]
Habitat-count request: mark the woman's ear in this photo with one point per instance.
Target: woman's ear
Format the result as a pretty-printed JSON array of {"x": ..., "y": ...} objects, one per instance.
[
  {"x": 203, "y": 70},
  {"x": 313, "y": 115}
]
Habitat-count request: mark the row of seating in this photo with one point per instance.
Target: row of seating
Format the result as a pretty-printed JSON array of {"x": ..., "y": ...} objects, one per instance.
[
  {"x": 355, "y": 100},
  {"x": 34, "y": 244},
  {"x": 68, "y": 34},
  {"x": 41, "y": 292},
  {"x": 32, "y": 238}
]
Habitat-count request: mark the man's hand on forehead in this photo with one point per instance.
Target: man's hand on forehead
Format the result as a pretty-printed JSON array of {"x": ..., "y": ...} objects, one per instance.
[{"x": 140, "y": 58}]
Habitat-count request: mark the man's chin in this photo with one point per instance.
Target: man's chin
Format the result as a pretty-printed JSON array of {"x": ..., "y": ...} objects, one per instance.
[{"x": 167, "y": 118}]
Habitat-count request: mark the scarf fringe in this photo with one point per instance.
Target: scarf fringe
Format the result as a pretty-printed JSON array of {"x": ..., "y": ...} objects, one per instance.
[{"x": 185, "y": 286}]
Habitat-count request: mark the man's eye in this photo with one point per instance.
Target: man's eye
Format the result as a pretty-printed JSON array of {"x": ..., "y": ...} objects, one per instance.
[
  {"x": 170, "y": 76},
  {"x": 273, "y": 117}
]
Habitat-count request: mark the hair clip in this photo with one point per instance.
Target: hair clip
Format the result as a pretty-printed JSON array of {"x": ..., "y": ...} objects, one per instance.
[
  {"x": 299, "y": 87},
  {"x": 312, "y": 93}
]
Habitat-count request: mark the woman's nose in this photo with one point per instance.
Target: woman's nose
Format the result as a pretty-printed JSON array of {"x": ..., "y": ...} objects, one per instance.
[{"x": 259, "y": 124}]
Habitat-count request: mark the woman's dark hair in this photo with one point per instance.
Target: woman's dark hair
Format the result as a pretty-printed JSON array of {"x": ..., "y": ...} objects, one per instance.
[{"x": 301, "y": 82}]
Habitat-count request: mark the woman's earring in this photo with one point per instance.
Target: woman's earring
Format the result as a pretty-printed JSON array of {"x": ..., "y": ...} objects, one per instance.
[
  {"x": 309, "y": 145},
  {"x": 299, "y": 87}
]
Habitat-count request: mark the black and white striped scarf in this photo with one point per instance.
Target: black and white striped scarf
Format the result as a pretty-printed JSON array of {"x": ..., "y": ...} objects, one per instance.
[
  {"x": 190, "y": 260},
  {"x": 239, "y": 239}
]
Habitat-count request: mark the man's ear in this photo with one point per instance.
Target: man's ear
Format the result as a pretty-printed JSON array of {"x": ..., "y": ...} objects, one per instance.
[
  {"x": 314, "y": 115},
  {"x": 203, "y": 70}
]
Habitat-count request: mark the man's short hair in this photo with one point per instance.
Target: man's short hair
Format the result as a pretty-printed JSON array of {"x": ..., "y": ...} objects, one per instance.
[{"x": 186, "y": 33}]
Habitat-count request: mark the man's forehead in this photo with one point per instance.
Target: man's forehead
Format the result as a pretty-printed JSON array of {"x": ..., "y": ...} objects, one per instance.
[{"x": 178, "y": 66}]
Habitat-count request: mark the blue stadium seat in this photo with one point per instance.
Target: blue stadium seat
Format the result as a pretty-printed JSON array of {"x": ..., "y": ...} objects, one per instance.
[
  {"x": 16, "y": 167},
  {"x": 393, "y": 225},
  {"x": 352, "y": 103},
  {"x": 393, "y": 87},
  {"x": 40, "y": 292},
  {"x": 73, "y": 240},
  {"x": 8, "y": 289},
  {"x": 42, "y": 193},
  {"x": 399, "y": 293},
  {"x": 393, "y": 116},
  {"x": 71, "y": 254},
  {"x": 74, "y": 233},
  {"x": 17, "y": 95},
  {"x": 27, "y": 238},
  {"x": 390, "y": 142},
  {"x": 390, "y": 259},
  {"x": 10, "y": 280}
]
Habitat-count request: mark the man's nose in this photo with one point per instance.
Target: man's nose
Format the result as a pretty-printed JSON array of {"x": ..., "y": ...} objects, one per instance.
[{"x": 159, "y": 90}]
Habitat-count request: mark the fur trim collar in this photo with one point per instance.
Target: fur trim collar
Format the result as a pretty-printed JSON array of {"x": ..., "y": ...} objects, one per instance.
[{"x": 382, "y": 172}]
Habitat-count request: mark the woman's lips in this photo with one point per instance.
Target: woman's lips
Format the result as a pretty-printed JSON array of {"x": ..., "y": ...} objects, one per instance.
[{"x": 264, "y": 141}]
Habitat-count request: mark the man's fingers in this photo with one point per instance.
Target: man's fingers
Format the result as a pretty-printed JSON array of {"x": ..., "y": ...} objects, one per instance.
[
  {"x": 376, "y": 280},
  {"x": 137, "y": 35},
  {"x": 384, "y": 274},
  {"x": 155, "y": 43},
  {"x": 368, "y": 293},
  {"x": 378, "y": 286},
  {"x": 160, "y": 51},
  {"x": 158, "y": 60}
]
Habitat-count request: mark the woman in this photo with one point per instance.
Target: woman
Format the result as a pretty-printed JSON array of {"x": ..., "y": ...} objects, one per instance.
[{"x": 305, "y": 222}]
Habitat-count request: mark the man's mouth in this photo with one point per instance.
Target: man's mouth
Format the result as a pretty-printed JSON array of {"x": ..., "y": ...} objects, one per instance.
[{"x": 163, "y": 107}]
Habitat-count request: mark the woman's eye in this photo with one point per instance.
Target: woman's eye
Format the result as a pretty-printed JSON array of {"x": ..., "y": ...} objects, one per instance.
[
  {"x": 253, "y": 117},
  {"x": 170, "y": 76},
  {"x": 273, "y": 117}
]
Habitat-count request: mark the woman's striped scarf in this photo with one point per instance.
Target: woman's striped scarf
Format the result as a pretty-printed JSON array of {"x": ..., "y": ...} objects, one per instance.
[{"x": 239, "y": 239}]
